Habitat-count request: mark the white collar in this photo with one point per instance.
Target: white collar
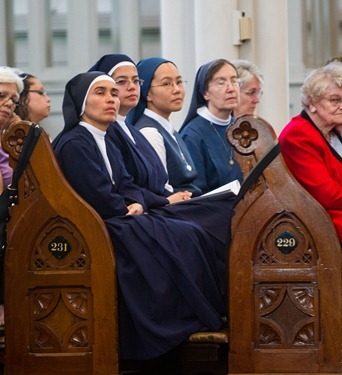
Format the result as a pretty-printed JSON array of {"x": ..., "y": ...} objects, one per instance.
[
  {"x": 205, "y": 113},
  {"x": 162, "y": 121},
  {"x": 93, "y": 130},
  {"x": 121, "y": 121}
]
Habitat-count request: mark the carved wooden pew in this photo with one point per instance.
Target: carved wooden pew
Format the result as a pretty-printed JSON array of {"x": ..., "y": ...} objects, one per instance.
[
  {"x": 60, "y": 279},
  {"x": 285, "y": 307},
  {"x": 285, "y": 311}
]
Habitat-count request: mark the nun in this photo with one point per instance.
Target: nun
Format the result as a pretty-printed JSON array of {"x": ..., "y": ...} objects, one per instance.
[
  {"x": 141, "y": 160},
  {"x": 166, "y": 267},
  {"x": 162, "y": 94},
  {"x": 215, "y": 95}
]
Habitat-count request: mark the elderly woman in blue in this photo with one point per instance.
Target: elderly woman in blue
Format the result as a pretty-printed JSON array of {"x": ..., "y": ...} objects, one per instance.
[
  {"x": 162, "y": 94},
  {"x": 215, "y": 96},
  {"x": 165, "y": 266}
]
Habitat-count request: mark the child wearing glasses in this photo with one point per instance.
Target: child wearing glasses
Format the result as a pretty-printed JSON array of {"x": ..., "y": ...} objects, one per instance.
[{"x": 215, "y": 96}]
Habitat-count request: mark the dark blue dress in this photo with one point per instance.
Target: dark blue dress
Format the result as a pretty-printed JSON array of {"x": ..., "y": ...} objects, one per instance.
[
  {"x": 211, "y": 154},
  {"x": 166, "y": 266},
  {"x": 212, "y": 214},
  {"x": 142, "y": 163},
  {"x": 180, "y": 177}
]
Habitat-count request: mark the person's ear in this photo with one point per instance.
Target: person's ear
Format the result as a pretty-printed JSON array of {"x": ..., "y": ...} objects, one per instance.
[
  {"x": 313, "y": 109},
  {"x": 206, "y": 96},
  {"x": 148, "y": 98}
]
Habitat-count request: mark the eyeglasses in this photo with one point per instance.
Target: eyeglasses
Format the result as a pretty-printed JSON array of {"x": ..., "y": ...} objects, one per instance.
[
  {"x": 335, "y": 101},
  {"x": 5, "y": 97},
  {"x": 127, "y": 82},
  {"x": 253, "y": 92},
  {"x": 223, "y": 84},
  {"x": 40, "y": 92},
  {"x": 171, "y": 85}
]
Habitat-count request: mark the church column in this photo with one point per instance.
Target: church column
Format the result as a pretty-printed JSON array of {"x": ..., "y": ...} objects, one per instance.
[
  {"x": 82, "y": 35},
  {"x": 214, "y": 35},
  {"x": 271, "y": 55},
  {"x": 38, "y": 36},
  {"x": 129, "y": 22},
  {"x": 6, "y": 33},
  {"x": 177, "y": 44}
]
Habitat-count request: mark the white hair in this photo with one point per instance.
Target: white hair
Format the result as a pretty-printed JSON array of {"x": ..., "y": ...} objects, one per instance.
[
  {"x": 247, "y": 71},
  {"x": 8, "y": 75}
]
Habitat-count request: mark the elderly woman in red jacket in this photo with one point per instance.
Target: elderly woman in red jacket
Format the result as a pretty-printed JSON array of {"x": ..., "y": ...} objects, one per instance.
[{"x": 311, "y": 144}]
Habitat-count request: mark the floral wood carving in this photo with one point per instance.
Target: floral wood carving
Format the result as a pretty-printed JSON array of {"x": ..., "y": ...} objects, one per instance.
[
  {"x": 286, "y": 315},
  {"x": 52, "y": 306},
  {"x": 245, "y": 134}
]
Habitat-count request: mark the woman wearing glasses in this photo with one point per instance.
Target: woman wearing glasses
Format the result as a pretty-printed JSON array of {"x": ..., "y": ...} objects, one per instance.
[
  {"x": 140, "y": 158},
  {"x": 34, "y": 103},
  {"x": 251, "y": 83},
  {"x": 162, "y": 94},
  {"x": 215, "y": 96},
  {"x": 311, "y": 146},
  {"x": 11, "y": 86}
]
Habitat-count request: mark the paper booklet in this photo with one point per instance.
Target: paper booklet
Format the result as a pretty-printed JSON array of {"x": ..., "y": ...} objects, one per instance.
[
  {"x": 232, "y": 189},
  {"x": 233, "y": 186}
]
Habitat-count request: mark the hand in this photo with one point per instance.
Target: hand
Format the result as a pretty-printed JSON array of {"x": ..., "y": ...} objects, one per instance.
[
  {"x": 11, "y": 120},
  {"x": 180, "y": 196},
  {"x": 135, "y": 209},
  {"x": 2, "y": 315}
]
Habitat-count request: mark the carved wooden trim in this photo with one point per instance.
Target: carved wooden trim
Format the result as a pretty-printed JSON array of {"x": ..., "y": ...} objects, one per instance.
[
  {"x": 51, "y": 307},
  {"x": 286, "y": 316},
  {"x": 60, "y": 246}
]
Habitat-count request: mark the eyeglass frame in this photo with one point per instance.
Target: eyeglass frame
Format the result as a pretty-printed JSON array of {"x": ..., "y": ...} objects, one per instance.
[
  {"x": 14, "y": 99},
  {"x": 170, "y": 85},
  {"x": 234, "y": 82},
  {"x": 40, "y": 92},
  {"x": 335, "y": 102},
  {"x": 127, "y": 82},
  {"x": 253, "y": 92}
]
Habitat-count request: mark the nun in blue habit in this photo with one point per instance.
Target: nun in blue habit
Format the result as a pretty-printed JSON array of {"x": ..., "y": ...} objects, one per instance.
[
  {"x": 140, "y": 158},
  {"x": 180, "y": 167},
  {"x": 204, "y": 132},
  {"x": 212, "y": 214},
  {"x": 166, "y": 266}
]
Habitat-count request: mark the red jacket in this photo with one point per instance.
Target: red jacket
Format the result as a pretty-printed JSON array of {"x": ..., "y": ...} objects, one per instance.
[{"x": 315, "y": 164}]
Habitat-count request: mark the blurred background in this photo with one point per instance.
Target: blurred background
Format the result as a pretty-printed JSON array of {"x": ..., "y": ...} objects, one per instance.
[{"x": 56, "y": 39}]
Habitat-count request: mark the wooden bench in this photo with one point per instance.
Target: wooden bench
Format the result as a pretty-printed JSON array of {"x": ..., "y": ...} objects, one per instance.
[{"x": 285, "y": 300}]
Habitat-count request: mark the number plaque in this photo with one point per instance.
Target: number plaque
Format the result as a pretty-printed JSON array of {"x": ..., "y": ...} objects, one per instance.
[
  {"x": 59, "y": 247},
  {"x": 286, "y": 242}
]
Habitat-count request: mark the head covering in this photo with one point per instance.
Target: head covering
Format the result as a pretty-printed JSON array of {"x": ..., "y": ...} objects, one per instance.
[
  {"x": 197, "y": 99},
  {"x": 8, "y": 75},
  {"x": 146, "y": 70},
  {"x": 109, "y": 63},
  {"x": 75, "y": 95}
]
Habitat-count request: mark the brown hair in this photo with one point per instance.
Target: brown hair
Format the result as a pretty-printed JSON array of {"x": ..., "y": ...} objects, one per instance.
[{"x": 23, "y": 109}]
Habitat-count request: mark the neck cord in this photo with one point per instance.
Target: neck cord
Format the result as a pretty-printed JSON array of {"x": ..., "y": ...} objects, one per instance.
[
  {"x": 230, "y": 154},
  {"x": 188, "y": 166}
]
